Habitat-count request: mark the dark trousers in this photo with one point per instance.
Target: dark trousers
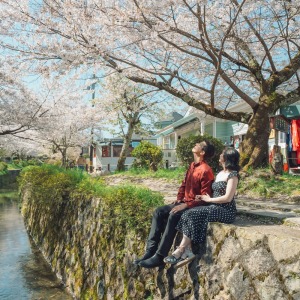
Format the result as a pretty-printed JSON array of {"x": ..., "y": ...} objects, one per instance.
[{"x": 163, "y": 229}]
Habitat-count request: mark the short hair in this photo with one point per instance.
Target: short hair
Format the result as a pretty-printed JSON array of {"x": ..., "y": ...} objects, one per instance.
[
  {"x": 209, "y": 150},
  {"x": 231, "y": 159}
]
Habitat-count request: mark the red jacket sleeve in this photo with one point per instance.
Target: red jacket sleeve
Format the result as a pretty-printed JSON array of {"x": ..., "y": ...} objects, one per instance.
[{"x": 206, "y": 183}]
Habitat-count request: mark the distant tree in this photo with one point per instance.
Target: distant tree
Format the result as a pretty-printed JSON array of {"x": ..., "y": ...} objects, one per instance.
[
  {"x": 20, "y": 109},
  {"x": 131, "y": 106},
  {"x": 66, "y": 120},
  {"x": 71, "y": 119}
]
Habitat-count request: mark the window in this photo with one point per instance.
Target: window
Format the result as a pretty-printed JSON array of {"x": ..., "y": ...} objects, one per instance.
[
  {"x": 282, "y": 137},
  {"x": 135, "y": 144},
  {"x": 117, "y": 150},
  {"x": 105, "y": 151},
  {"x": 169, "y": 142},
  {"x": 166, "y": 142},
  {"x": 172, "y": 141},
  {"x": 85, "y": 150}
]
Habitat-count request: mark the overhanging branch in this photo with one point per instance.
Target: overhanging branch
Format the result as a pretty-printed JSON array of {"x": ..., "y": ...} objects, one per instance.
[{"x": 222, "y": 114}]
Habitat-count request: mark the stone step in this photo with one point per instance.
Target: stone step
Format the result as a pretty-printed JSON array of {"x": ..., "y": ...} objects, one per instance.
[
  {"x": 270, "y": 215},
  {"x": 269, "y": 205},
  {"x": 275, "y": 213}
]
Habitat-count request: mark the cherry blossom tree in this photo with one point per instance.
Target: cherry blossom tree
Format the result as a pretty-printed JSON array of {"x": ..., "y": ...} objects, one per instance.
[
  {"x": 133, "y": 109},
  {"x": 22, "y": 148},
  {"x": 211, "y": 54},
  {"x": 71, "y": 118},
  {"x": 57, "y": 117},
  {"x": 20, "y": 108}
]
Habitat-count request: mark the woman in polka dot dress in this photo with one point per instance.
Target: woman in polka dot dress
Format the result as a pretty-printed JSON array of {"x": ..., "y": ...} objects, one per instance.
[{"x": 221, "y": 208}]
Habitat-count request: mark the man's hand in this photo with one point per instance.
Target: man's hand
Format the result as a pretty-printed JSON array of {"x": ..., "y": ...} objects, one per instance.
[
  {"x": 178, "y": 208},
  {"x": 205, "y": 198},
  {"x": 198, "y": 198}
]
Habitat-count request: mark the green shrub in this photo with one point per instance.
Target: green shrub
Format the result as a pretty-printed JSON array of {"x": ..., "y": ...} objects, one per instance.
[
  {"x": 3, "y": 166},
  {"x": 34, "y": 162},
  {"x": 185, "y": 146},
  {"x": 18, "y": 164},
  {"x": 147, "y": 156},
  {"x": 51, "y": 182},
  {"x": 125, "y": 206}
]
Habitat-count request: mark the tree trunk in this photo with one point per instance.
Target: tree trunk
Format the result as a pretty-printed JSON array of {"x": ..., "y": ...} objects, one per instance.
[
  {"x": 125, "y": 147},
  {"x": 64, "y": 157},
  {"x": 254, "y": 148}
]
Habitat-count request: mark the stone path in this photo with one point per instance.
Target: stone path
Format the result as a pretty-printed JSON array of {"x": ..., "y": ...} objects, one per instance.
[{"x": 265, "y": 210}]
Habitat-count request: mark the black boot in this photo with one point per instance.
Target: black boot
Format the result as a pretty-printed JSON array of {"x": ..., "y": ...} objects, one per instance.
[
  {"x": 155, "y": 261},
  {"x": 147, "y": 255}
]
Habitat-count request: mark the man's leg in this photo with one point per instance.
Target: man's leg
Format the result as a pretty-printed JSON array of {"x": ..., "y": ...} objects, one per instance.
[
  {"x": 165, "y": 243},
  {"x": 159, "y": 219},
  {"x": 169, "y": 234}
]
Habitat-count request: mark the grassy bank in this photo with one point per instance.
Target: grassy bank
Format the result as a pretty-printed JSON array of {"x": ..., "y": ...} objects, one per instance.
[
  {"x": 47, "y": 183},
  {"x": 171, "y": 174},
  {"x": 263, "y": 184},
  {"x": 259, "y": 183}
]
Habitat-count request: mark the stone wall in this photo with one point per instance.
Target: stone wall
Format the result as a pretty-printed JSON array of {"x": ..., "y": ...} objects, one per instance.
[
  {"x": 251, "y": 262},
  {"x": 93, "y": 257}
]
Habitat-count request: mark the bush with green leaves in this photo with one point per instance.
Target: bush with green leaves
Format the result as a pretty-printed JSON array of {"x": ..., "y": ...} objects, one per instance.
[
  {"x": 185, "y": 146},
  {"x": 3, "y": 166},
  {"x": 53, "y": 182},
  {"x": 125, "y": 206},
  {"x": 147, "y": 156}
]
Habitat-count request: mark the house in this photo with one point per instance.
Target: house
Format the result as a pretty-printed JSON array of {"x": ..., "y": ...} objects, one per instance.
[
  {"x": 196, "y": 122},
  {"x": 107, "y": 152},
  {"x": 170, "y": 118}
]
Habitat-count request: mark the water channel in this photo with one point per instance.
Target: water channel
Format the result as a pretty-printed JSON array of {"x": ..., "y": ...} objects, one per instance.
[{"x": 24, "y": 273}]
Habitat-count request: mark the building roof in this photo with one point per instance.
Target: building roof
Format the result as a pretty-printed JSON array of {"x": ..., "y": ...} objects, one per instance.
[{"x": 170, "y": 118}]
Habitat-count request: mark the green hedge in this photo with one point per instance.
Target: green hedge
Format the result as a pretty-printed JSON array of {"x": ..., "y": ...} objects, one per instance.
[
  {"x": 131, "y": 206},
  {"x": 3, "y": 167}
]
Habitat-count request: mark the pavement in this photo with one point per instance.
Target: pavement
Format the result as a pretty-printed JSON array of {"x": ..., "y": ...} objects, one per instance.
[{"x": 266, "y": 211}]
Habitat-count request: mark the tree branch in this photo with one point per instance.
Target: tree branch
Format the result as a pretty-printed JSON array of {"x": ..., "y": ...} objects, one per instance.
[
  {"x": 285, "y": 74},
  {"x": 234, "y": 116}
]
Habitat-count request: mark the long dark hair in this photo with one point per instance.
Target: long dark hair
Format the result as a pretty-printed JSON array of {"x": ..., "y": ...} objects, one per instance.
[{"x": 231, "y": 159}]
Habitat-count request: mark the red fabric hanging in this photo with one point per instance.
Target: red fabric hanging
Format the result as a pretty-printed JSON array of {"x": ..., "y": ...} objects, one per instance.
[{"x": 295, "y": 133}]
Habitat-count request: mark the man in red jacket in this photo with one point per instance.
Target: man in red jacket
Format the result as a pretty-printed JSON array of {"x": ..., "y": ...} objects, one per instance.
[{"x": 197, "y": 181}]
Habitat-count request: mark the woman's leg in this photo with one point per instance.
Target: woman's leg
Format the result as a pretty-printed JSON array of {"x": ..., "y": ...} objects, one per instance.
[
  {"x": 183, "y": 252},
  {"x": 184, "y": 244}
]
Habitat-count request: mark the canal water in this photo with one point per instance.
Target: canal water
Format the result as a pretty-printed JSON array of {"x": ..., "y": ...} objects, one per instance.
[{"x": 24, "y": 273}]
